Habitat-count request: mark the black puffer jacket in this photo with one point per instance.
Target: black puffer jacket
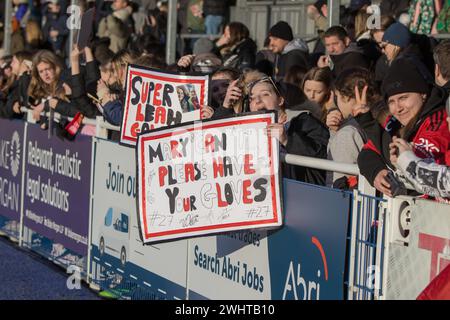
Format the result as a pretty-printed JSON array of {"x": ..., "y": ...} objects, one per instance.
[
  {"x": 307, "y": 137},
  {"x": 352, "y": 57},
  {"x": 241, "y": 56},
  {"x": 18, "y": 93},
  {"x": 79, "y": 93},
  {"x": 296, "y": 53}
]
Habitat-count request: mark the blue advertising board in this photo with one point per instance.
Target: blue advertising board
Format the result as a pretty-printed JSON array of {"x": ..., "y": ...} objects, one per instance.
[
  {"x": 57, "y": 188},
  {"x": 11, "y": 157},
  {"x": 307, "y": 256},
  {"x": 302, "y": 260}
]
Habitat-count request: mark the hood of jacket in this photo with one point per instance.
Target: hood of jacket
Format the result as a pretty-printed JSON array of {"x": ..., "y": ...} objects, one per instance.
[
  {"x": 353, "y": 47},
  {"x": 296, "y": 44},
  {"x": 435, "y": 102}
]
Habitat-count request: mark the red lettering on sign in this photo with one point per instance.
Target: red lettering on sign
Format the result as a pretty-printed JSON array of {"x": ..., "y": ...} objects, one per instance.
[
  {"x": 218, "y": 168},
  {"x": 209, "y": 143},
  {"x": 246, "y": 193},
  {"x": 189, "y": 172},
  {"x": 173, "y": 148},
  {"x": 436, "y": 245},
  {"x": 135, "y": 129},
  {"x": 221, "y": 203},
  {"x": 162, "y": 175},
  {"x": 156, "y": 100},
  {"x": 248, "y": 164}
]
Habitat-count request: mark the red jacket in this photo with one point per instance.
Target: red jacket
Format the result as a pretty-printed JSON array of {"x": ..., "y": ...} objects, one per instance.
[
  {"x": 432, "y": 140},
  {"x": 430, "y": 135}
]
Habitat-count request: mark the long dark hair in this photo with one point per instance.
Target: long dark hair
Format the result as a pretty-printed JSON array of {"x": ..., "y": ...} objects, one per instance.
[
  {"x": 38, "y": 89},
  {"x": 238, "y": 32}
]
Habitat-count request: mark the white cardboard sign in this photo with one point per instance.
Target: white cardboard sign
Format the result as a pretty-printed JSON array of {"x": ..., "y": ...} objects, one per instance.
[
  {"x": 208, "y": 177},
  {"x": 156, "y": 99}
]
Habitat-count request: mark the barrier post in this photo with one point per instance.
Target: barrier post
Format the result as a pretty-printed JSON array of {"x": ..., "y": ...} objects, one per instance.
[
  {"x": 382, "y": 251},
  {"x": 171, "y": 32},
  {"x": 22, "y": 191},
  {"x": 333, "y": 12},
  {"x": 7, "y": 27}
]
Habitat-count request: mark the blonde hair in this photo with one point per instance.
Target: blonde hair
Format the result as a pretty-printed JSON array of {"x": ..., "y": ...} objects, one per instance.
[
  {"x": 38, "y": 89},
  {"x": 119, "y": 64},
  {"x": 33, "y": 34},
  {"x": 361, "y": 23}
]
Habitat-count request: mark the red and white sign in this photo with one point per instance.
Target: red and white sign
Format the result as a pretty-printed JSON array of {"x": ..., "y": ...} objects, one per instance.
[
  {"x": 208, "y": 177},
  {"x": 410, "y": 269},
  {"x": 155, "y": 99}
]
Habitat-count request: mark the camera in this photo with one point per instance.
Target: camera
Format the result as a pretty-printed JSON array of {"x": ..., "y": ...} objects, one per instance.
[{"x": 397, "y": 187}]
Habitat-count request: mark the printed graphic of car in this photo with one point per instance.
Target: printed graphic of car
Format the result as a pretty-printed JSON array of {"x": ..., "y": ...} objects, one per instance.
[{"x": 115, "y": 234}]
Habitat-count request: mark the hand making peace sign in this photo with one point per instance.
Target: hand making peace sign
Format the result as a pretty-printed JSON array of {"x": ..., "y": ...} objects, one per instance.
[{"x": 361, "y": 101}]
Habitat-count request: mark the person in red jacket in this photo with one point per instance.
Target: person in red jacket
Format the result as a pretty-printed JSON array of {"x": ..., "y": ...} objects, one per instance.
[{"x": 418, "y": 116}]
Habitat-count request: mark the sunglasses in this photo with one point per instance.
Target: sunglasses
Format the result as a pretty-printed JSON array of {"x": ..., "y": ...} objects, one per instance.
[{"x": 251, "y": 85}]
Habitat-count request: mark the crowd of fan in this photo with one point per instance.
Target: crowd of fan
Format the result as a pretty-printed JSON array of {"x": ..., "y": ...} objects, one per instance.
[{"x": 373, "y": 97}]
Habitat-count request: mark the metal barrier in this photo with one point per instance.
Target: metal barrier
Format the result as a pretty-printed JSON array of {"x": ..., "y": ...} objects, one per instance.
[{"x": 367, "y": 235}]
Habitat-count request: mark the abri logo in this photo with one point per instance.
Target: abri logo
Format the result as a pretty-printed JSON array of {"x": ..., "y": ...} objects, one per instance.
[
  {"x": 15, "y": 153},
  {"x": 298, "y": 286}
]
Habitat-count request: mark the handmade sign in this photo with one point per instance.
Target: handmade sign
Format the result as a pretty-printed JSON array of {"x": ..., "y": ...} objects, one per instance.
[
  {"x": 208, "y": 177},
  {"x": 155, "y": 99}
]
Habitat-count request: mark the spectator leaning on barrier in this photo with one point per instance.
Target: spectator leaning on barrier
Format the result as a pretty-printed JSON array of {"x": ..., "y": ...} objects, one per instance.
[
  {"x": 418, "y": 116},
  {"x": 353, "y": 87},
  {"x": 304, "y": 135},
  {"x": 7, "y": 77},
  {"x": 18, "y": 94},
  {"x": 342, "y": 53},
  {"x": 290, "y": 52},
  {"x": 47, "y": 88},
  {"x": 112, "y": 94},
  {"x": 426, "y": 176}
]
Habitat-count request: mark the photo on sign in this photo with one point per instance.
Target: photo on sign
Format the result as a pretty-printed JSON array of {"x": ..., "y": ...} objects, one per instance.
[{"x": 188, "y": 98}]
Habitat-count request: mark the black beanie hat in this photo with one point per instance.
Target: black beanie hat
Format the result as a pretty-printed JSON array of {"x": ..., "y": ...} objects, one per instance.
[
  {"x": 404, "y": 76},
  {"x": 282, "y": 30}
]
